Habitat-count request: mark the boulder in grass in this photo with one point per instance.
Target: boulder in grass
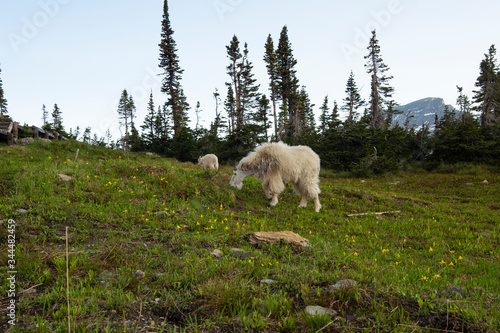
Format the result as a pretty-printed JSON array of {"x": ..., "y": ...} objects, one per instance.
[
  {"x": 240, "y": 253},
  {"x": 65, "y": 178},
  {"x": 26, "y": 141},
  {"x": 314, "y": 310},
  {"x": 262, "y": 237}
]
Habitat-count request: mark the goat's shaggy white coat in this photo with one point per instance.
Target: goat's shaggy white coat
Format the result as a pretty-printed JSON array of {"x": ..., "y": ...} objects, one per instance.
[
  {"x": 209, "y": 161},
  {"x": 276, "y": 164}
]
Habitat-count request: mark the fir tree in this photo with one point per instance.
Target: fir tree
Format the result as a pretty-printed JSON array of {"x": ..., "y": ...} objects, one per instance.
[
  {"x": 131, "y": 109},
  {"x": 334, "y": 120},
  {"x": 249, "y": 88},
  {"x": 381, "y": 92},
  {"x": 124, "y": 111},
  {"x": 242, "y": 83},
  {"x": 172, "y": 72},
  {"x": 230, "y": 108},
  {"x": 324, "y": 116},
  {"x": 45, "y": 117},
  {"x": 287, "y": 83},
  {"x": 197, "y": 111},
  {"x": 162, "y": 128},
  {"x": 304, "y": 122},
  {"x": 87, "y": 135},
  {"x": 390, "y": 112},
  {"x": 272, "y": 70},
  {"x": 464, "y": 105},
  {"x": 353, "y": 100},
  {"x": 488, "y": 95},
  {"x": 3, "y": 100},
  {"x": 148, "y": 128},
  {"x": 57, "y": 118},
  {"x": 261, "y": 119},
  {"x": 218, "y": 122},
  {"x": 234, "y": 72}
]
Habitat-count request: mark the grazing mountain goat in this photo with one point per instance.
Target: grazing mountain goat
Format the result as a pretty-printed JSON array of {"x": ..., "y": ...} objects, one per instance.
[
  {"x": 209, "y": 161},
  {"x": 276, "y": 164}
]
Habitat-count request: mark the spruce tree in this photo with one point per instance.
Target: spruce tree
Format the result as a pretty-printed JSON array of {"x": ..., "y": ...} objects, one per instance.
[
  {"x": 304, "y": 122},
  {"x": 123, "y": 111},
  {"x": 57, "y": 118},
  {"x": 242, "y": 83},
  {"x": 323, "y": 117},
  {"x": 353, "y": 100},
  {"x": 272, "y": 66},
  {"x": 249, "y": 87},
  {"x": 334, "y": 120},
  {"x": 3, "y": 100},
  {"x": 230, "y": 108},
  {"x": 219, "y": 120},
  {"x": 45, "y": 117},
  {"x": 172, "y": 74},
  {"x": 162, "y": 127},
  {"x": 131, "y": 109},
  {"x": 234, "y": 72},
  {"x": 287, "y": 83},
  {"x": 261, "y": 119},
  {"x": 381, "y": 92},
  {"x": 148, "y": 128},
  {"x": 464, "y": 106},
  {"x": 488, "y": 95}
]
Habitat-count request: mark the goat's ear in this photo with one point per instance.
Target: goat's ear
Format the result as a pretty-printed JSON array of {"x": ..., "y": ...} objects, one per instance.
[{"x": 263, "y": 167}]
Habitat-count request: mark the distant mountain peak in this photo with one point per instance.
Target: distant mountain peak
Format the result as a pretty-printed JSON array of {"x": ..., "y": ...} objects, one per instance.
[{"x": 422, "y": 111}]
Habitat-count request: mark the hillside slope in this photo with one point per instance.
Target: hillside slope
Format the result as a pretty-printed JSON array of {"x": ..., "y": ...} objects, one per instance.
[{"x": 142, "y": 231}]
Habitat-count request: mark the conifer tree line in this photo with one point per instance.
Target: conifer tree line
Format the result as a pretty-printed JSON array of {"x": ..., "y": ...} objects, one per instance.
[
  {"x": 367, "y": 140},
  {"x": 248, "y": 113}
]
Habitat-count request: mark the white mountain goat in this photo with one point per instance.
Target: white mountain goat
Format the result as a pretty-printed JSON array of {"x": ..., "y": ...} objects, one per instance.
[
  {"x": 276, "y": 164},
  {"x": 209, "y": 161}
]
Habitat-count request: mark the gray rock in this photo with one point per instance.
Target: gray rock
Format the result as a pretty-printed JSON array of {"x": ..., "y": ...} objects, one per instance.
[
  {"x": 217, "y": 253},
  {"x": 139, "y": 274},
  {"x": 22, "y": 211},
  {"x": 267, "y": 281},
  {"x": 105, "y": 278},
  {"x": 342, "y": 284},
  {"x": 242, "y": 254},
  {"x": 458, "y": 291},
  {"x": 65, "y": 178},
  {"x": 26, "y": 141},
  {"x": 314, "y": 310},
  {"x": 485, "y": 234},
  {"x": 263, "y": 237}
]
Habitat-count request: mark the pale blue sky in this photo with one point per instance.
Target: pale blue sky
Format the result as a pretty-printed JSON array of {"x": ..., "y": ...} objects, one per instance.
[{"x": 82, "y": 54}]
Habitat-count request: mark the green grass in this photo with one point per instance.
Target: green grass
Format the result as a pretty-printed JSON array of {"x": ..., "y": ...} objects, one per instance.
[{"x": 127, "y": 212}]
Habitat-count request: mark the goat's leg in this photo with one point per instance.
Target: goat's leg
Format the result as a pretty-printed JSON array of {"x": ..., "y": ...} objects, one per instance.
[{"x": 274, "y": 201}]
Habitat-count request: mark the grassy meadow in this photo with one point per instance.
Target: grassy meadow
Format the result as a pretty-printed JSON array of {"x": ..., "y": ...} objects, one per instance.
[{"x": 141, "y": 229}]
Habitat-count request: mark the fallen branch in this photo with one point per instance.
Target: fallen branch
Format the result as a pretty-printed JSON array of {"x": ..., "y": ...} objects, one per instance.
[{"x": 376, "y": 213}]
